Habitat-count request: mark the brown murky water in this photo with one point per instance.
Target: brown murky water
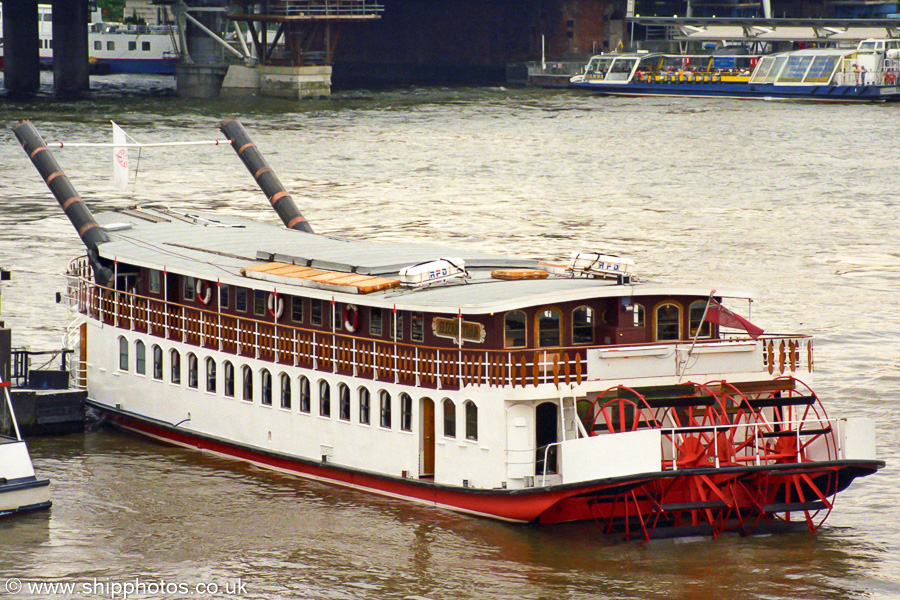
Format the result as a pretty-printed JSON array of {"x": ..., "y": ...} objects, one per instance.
[{"x": 797, "y": 202}]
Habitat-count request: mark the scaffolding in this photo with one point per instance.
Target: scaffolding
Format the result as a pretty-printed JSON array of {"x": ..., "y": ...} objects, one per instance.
[{"x": 305, "y": 31}]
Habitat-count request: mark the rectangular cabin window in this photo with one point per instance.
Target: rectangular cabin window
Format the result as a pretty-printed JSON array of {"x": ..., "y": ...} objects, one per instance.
[
  {"x": 297, "y": 309},
  {"x": 240, "y": 300},
  {"x": 259, "y": 302},
  {"x": 224, "y": 296},
  {"x": 514, "y": 329},
  {"x": 98, "y": 45},
  {"x": 397, "y": 321},
  {"x": 375, "y": 321},
  {"x": 315, "y": 312},
  {"x": 188, "y": 288},
  {"x": 145, "y": 46},
  {"x": 417, "y": 327},
  {"x": 132, "y": 45},
  {"x": 110, "y": 45},
  {"x": 154, "y": 281}
]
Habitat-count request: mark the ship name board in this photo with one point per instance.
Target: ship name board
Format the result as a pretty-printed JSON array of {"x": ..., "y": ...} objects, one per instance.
[{"x": 449, "y": 328}]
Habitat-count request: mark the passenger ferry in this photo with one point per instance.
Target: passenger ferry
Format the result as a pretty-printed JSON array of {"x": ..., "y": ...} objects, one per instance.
[
  {"x": 870, "y": 72},
  {"x": 115, "y": 47},
  {"x": 514, "y": 389}
]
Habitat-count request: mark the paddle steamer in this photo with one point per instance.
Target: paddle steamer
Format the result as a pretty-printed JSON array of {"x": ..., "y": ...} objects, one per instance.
[{"x": 495, "y": 386}]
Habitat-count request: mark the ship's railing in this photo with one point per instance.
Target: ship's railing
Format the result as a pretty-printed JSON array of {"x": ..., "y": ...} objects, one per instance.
[
  {"x": 728, "y": 445},
  {"x": 337, "y": 352},
  {"x": 300, "y": 8}
]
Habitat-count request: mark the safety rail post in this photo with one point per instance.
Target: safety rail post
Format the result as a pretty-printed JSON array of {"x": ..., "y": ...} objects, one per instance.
[
  {"x": 237, "y": 334},
  {"x": 202, "y": 336},
  {"x": 255, "y": 338},
  {"x": 315, "y": 352},
  {"x": 440, "y": 372}
]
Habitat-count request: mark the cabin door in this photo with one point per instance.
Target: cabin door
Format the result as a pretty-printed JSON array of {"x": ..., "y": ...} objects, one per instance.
[
  {"x": 546, "y": 431},
  {"x": 427, "y": 442}
]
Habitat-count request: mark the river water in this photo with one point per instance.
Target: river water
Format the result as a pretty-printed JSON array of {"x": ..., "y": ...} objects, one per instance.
[{"x": 796, "y": 202}]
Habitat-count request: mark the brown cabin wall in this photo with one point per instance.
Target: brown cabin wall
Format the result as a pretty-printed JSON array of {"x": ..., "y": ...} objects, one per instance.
[{"x": 613, "y": 322}]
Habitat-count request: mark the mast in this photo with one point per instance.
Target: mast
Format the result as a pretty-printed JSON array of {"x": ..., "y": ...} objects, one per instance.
[
  {"x": 90, "y": 232},
  {"x": 264, "y": 175}
]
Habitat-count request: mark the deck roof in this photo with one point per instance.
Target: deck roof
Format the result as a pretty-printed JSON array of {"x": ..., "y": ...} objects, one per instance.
[{"x": 227, "y": 248}]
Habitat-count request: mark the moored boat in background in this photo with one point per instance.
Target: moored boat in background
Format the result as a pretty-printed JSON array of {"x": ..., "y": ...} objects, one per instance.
[
  {"x": 491, "y": 385},
  {"x": 869, "y": 72},
  {"x": 115, "y": 47}
]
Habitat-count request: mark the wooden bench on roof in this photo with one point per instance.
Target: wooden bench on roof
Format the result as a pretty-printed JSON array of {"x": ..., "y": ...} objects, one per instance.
[{"x": 278, "y": 272}]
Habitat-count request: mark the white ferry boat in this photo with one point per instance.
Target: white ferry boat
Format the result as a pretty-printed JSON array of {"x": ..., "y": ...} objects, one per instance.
[
  {"x": 20, "y": 490},
  {"x": 869, "y": 72},
  {"x": 115, "y": 47},
  {"x": 495, "y": 386}
]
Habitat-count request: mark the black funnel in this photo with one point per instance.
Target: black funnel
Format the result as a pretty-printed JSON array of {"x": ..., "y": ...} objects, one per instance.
[
  {"x": 264, "y": 176},
  {"x": 91, "y": 233}
]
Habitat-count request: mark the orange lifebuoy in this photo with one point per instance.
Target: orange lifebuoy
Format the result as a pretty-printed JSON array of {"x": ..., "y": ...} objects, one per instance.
[
  {"x": 204, "y": 291},
  {"x": 351, "y": 318}
]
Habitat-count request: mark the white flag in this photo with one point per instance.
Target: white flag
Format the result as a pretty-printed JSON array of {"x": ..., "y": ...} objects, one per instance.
[{"x": 120, "y": 158}]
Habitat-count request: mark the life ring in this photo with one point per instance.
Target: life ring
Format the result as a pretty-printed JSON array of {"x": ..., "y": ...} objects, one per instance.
[
  {"x": 275, "y": 305},
  {"x": 351, "y": 318},
  {"x": 204, "y": 291}
]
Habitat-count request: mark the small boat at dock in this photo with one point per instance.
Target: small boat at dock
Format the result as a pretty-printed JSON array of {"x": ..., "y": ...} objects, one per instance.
[
  {"x": 868, "y": 73},
  {"x": 514, "y": 389},
  {"x": 20, "y": 490}
]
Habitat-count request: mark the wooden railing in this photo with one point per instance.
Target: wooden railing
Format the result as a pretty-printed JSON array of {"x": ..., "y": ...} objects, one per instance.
[{"x": 338, "y": 352}]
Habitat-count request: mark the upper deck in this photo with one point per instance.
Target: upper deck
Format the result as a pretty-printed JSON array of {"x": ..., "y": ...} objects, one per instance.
[{"x": 226, "y": 248}]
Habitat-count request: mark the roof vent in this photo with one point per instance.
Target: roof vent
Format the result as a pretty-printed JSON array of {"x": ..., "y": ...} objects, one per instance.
[{"x": 433, "y": 271}]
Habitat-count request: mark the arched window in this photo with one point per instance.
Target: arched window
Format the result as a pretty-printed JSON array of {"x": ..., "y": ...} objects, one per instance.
[
  {"x": 265, "y": 387},
  {"x": 365, "y": 400},
  {"x": 471, "y": 420},
  {"x": 247, "y": 376},
  {"x": 696, "y": 312},
  {"x": 140, "y": 358},
  {"x": 449, "y": 418},
  {"x": 210, "y": 374},
  {"x": 175, "y": 366},
  {"x": 304, "y": 394},
  {"x": 668, "y": 322},
  {"x": 405, "y": 412},
  {"x": 229, "y": 379},
  {"x": 285, "y": 390},
  {"x": 583, "y": 325},
  {"x": 514, "y": 329},
  {"x": 324, "y": 398},
  {"x": 157, "y": 353},
  {"x": 123, "y": 354},
  {"x": 192, "y": 370},
  {"x": 385, "y": 401},
  {"x": 549, "y": 327},
  {"x": 343, "y": 402}
]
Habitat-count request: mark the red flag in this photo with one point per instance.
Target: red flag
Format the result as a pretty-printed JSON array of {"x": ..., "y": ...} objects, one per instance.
[{"x": 716, "y": 313}]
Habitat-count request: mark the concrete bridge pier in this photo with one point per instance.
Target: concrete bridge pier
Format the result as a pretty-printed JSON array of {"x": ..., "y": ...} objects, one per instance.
[
  {"x": 71, "y": 68},
  {"x": 21, "y": 59}
]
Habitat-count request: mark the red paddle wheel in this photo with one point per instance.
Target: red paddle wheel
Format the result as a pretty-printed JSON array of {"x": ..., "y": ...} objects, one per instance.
[
  {"x": 731, "y": 458},
  {"x": 794, "y": 429}
]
